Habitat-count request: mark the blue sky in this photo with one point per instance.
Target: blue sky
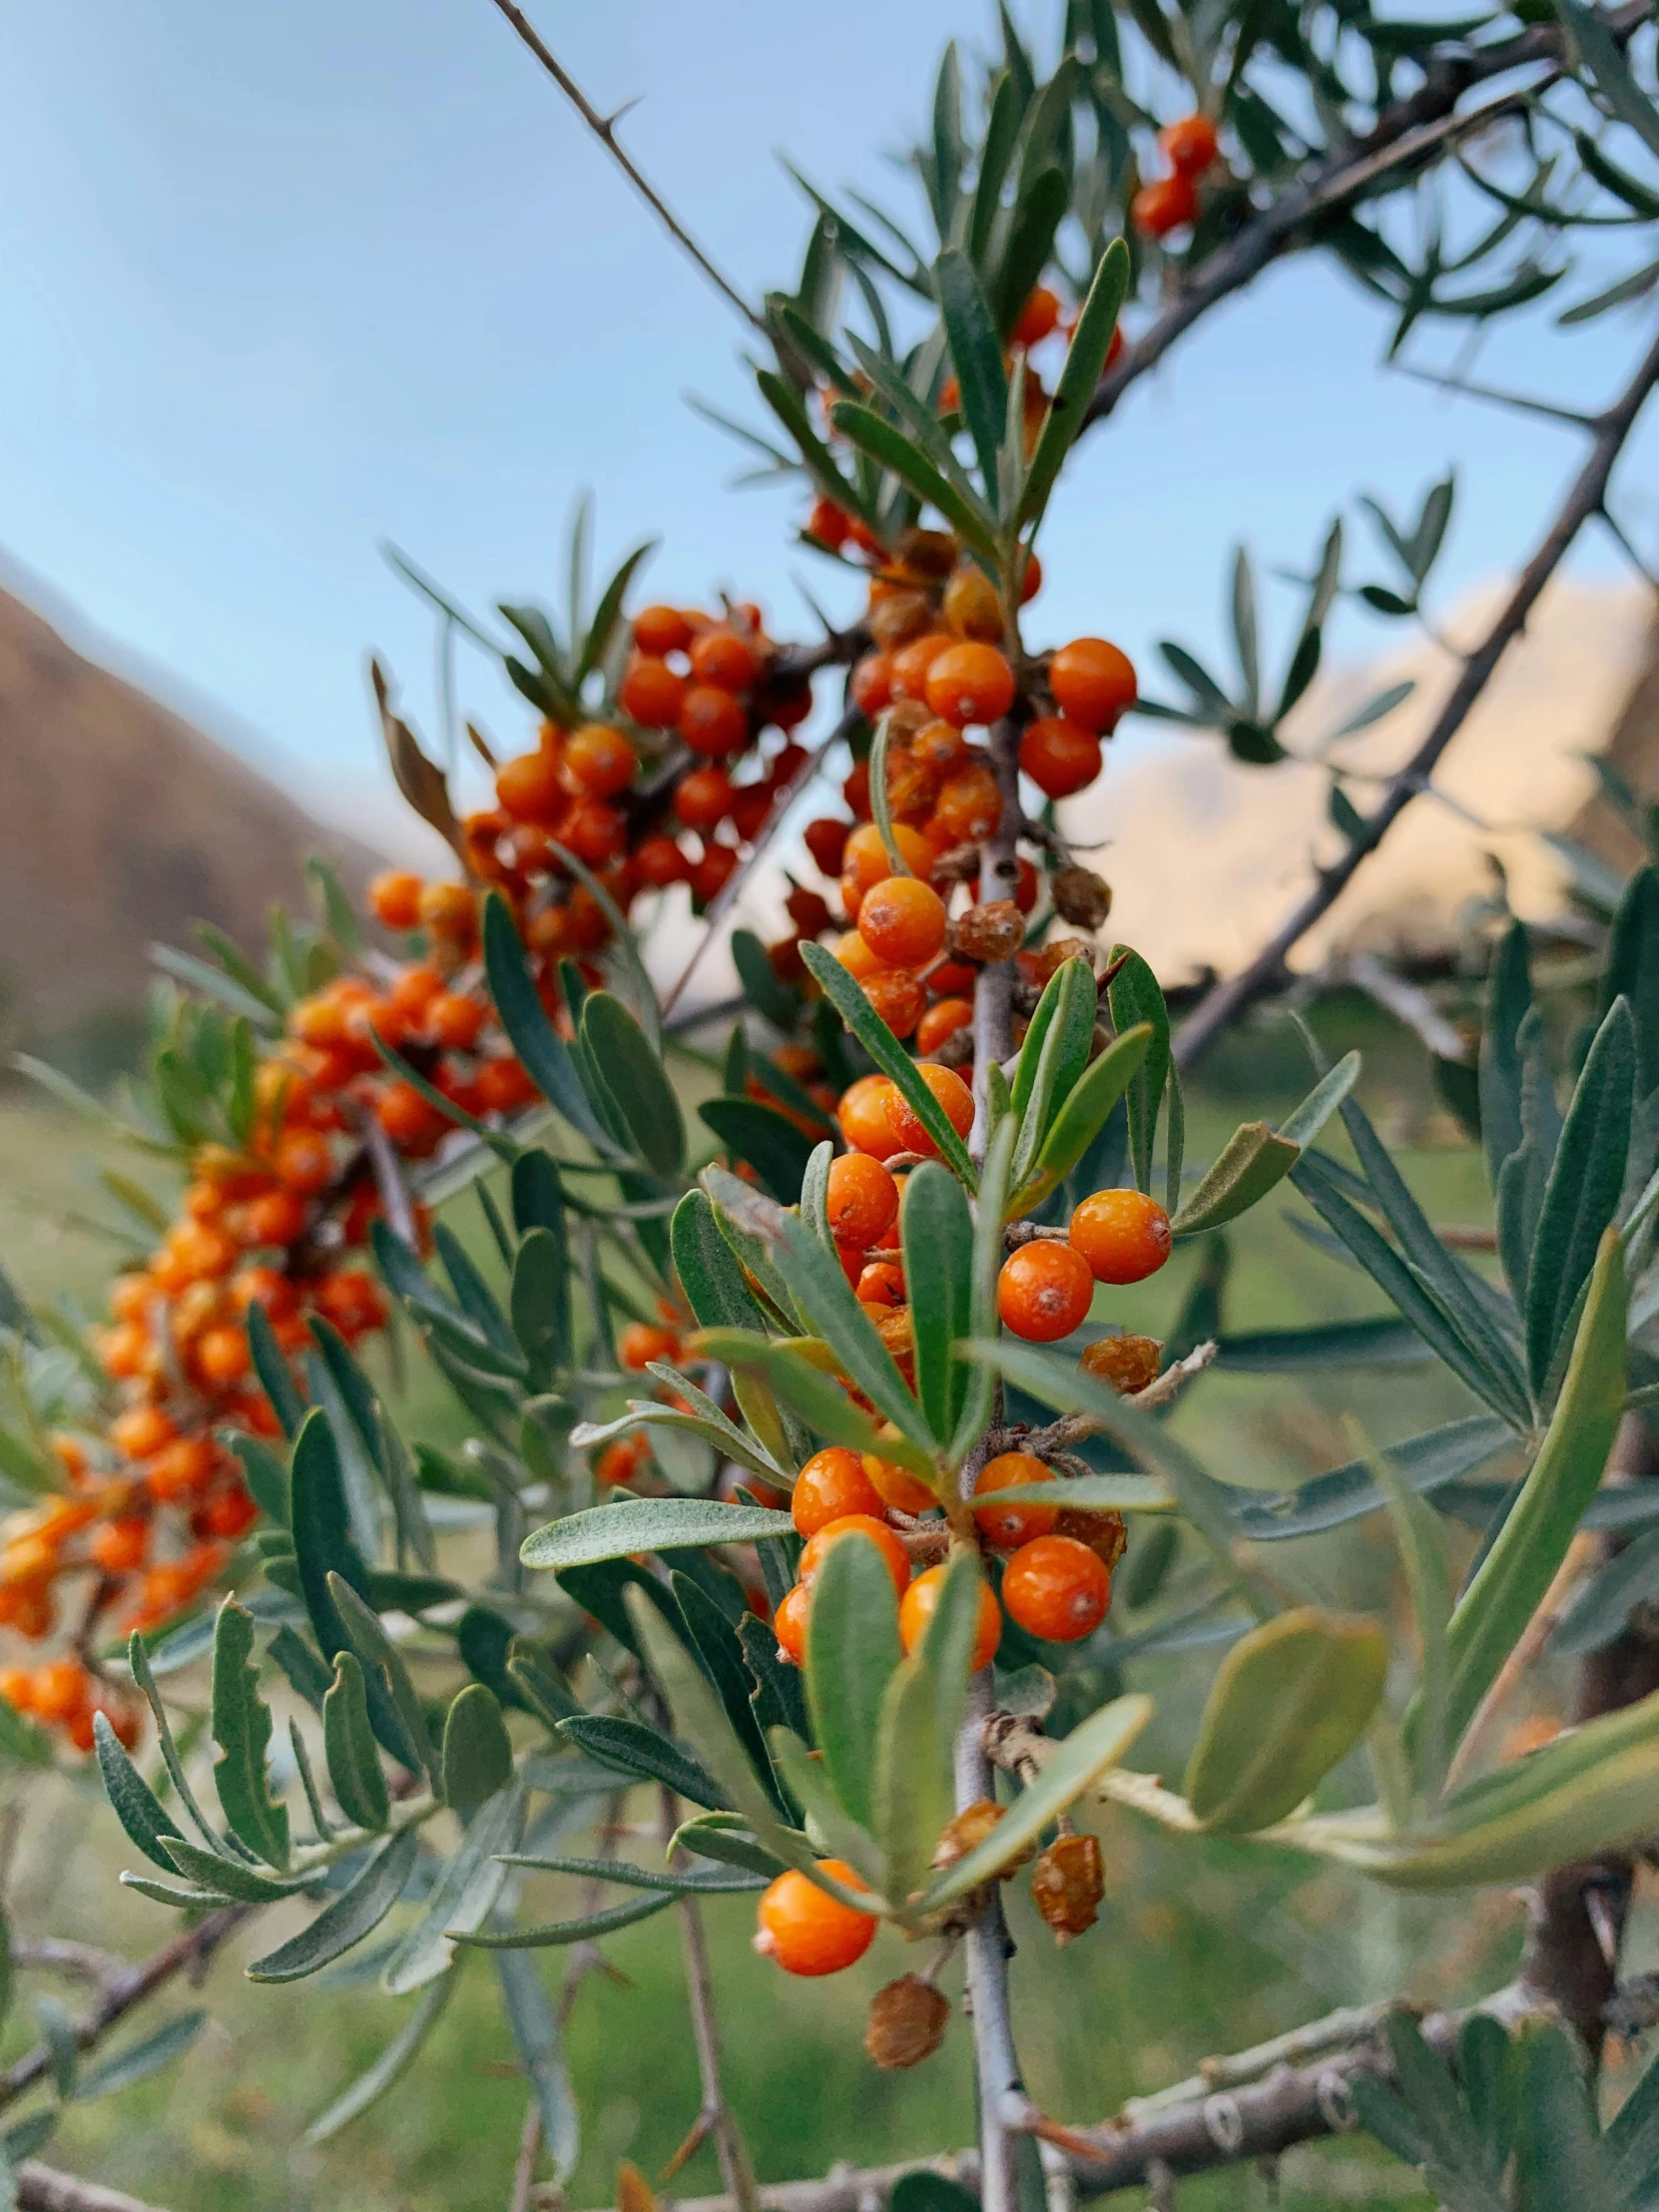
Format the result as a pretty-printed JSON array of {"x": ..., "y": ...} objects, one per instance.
[{"x": 282, "y": 282}]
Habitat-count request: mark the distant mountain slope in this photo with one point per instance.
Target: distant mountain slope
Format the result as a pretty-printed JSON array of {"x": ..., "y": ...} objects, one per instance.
[{"x": 121, "y": 823}]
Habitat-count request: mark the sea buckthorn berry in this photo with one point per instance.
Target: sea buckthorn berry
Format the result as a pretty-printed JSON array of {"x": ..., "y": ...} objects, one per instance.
[
  {"x": 17, "y": 1687},
  {"x": 1093, "y": 683},
  {"x": 660, "y": 630},
  {"x": 142, "y": 1431},
  {"x": 899, "y": 999},
  {"x": 1037, "y": 318},
  {"x": 826, "y": 839},
  {"x": 228, "y": 1515},
  {"x": 893, "y": 1555},
  {"x": 809, "y": 910},
  {"x": 913, "y": 661},
  {"x": 750, "y": 808},
  {"x": 864, "y": 862},
  {"x": 660, "y": 862},
  {"x": 449, "y": 908},
  {"x": 902, "y": 920},
  {"x": 1043, "y": 1292},
  {"x": 1123, "y": 1236},
  {"x": 180, "y": 1470},
  {"x": 880, "y": 1284},
  {"x": 1031, "y": 580},
  {"x": 921, "y": 1602},
  {"x": 1106, "y": 1535},
  {"x": 1080, "y": 897},
  {"x": 504, "y": 1085},
  {"x": 304, "y": 1162},
  {"x": 808, "y": 1931},
  {"x": 394, "y": 897},
  {"x": 942, "y": 1021},
  {"x": 598, "y": 761},
  {"x": 61, "y": 1688},
  {"x": 896, "y": 615},
  {"x": 828, "y": 523},
  {"x": 530, "y": 789},
  {"x": 1027, "y": 883},
  {"x": 279, "y": 1218},
  {"x": 1189, "y": 144},
  {"x": 594, "y": 832},
  {"x": 895, "y": 1486},
  {"x": 722, "y": 657},
  {"x": 1128, "y": 1364},
  {"x": 641, "y": 1341},
  {"x": 970, "y": 806},
  {"x": 199, "y": 1253},
  {"x": 713, "y": 720},
  {"x": 1056, "y": 1588},
  {"x": 1164, "y": 206},
  {"x": 1008, "y": 1526},
  {"x": 119, "y": 1546},
  {"x": 788, "y": 1625},
  {"x": 1059, "y": 755},
  {"x": 855, "y": 956},
  {"x": 222, "y": 1355},
  {"x": 906, "y": 2023},
  {"x": 352, "y": 1301},
  {"x": 711, "y": 874},
  {"x": 1067, "y": 1884},
  {"x": 410, "y": 1119},
  {"x": 652, "y": 693},
  {"x": 702, "y": 799},
  {"x": 872, "y": 682},
  {"x": 863, "y": 1200},
  {"x": 953, "y": 1096},
  {"x": 831, "y": 1485},
  {"x": 864, "y": 1118},
  {"x": 971, "y": 606},
  {"x": 971, "y": 682},
  {"x": 454, "y": 1020}
]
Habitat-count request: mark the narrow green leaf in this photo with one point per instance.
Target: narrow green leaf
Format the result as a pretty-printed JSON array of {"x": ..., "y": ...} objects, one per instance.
[
  {"x": 1085, "y": 1113},
  {"x": 1582, "y": 1194},
  {"x": 553, "y": 1933},
  {"x": 647, "y": 1524},
  {"x": 633, "y": 1074},
  {"x": 462, "y": 1897},
  {"x": 765, "y": 1138},
  {"x": 242, "y": 1729},
  {"x": 393, "y": 2062},
  {"x": 853, "y": 1649},
  {"x": 349, "y": 1749},
  {"x": 889, "y": 1056},
  {"x": 533, "y": 1038},
  {"x": 873, "y": 435},
  {"x": 137, "y": 2060},
  {"x": 976, "y": 356},
  {"x": 913, "y": 1777},
  {"x": 1251, "y": 1163},
  {"x": 343, "y": 1924},
  {"x": 1084, "y": 365},
  {"x": 633, "y": 1749},
  {"x": 938, "y": 1236},
  {"x": 477, "y": 1751},
  {"x": 135, "y": 1804}
]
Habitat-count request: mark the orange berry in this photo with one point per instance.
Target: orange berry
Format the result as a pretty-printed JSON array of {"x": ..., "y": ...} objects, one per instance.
[
  {"x": 972, "y": 607},
  {"x": 181, "y": 1470},
  {"x": 529, "y": 789},
  {"x": 660, "y": 862},
  {"x": 652, "y": 693},
  {"x": 971, "y": 682},
  {"x": 120, "y": 1545},
  {"x": 394, "y": 897},
  {"x": 871, "y": 683},
  {"x": 222, "y": 1355},
  {"x": 61, "y": 1688},
  {"x": 863, "y": 1200},
  {"x": 594, "y": 832},
  {"x": 198, "y": 1253},
  {"x": 660, "y": 630},
  {"x": 723, "y": 657},
  {"x": 598, "y": 761},
  {"x": 865, "y": 860},
  {"x": 279, "y": 1218},
  {"x": 970, "y": 806},
  {"x": 352, "y": 1301},
  {"x": 880, "y": 1284},
  {"x": 899, "y": 999},
  {"x": 830, "y": 524},
  {"x": 417, "y": 985},
  {"x": 895, "y": 1486},
  {"x": 1043, "y": 1292},
  {"x": 1122, "y": 1236},
  {"x": 504, "y": 1085},
  {"x": 1060, "y": 757},
  {"x": 1093, "y": 683},
  {"x": 902, "y": 920},
  {"x": 1164, "y": 206},
  {"x": 921, "y": 1602},
  {"x": 304, "y": 1162},
  {"x": 454, "y": 1020},
  {"x": 1031, "y": 581},
  {"x": 451, "y": 910},
  {"x": 790, "y": 1624},
  {"x": 1039, "y": 315},
  {"x": 951, "y": 1093},
  {"x": 913, "y": 662},
  {"x": 410, "y": 1119},
  {"x": 826, "y": 839},
  {"x": 1056, "y": 1588},
  {"x": 1189, "y": 144},
  {"x": 711, "y": 873},
  {"x": 228, "y": 1515},
  {"x": 1006, "y": 1526},
  {"x": 894, "y": 1554},
  {"x": 943, "y": 1019},
  {"x": 702, "y": 799},
  {"x": 831, "y": 1487},
  {"x": 141, "y": 1430},
  {"x": 864, "y": 1118},
  {"x": 808, "y": 1931},
  {"x": 641, "y": 1341},
  {"x": 1128, "y": 1364},
  {"x": 713, "y": 720},
  {"x": 17, "y": 1687}
]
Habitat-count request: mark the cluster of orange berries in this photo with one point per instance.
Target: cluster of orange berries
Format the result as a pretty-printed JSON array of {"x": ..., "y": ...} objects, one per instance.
[
  {"x": 700, "y": 692},
  {"x": 1170, "y": 203}
]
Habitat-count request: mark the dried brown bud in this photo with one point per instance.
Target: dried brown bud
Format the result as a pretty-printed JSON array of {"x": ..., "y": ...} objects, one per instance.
[
  {"x": 1067, "y": 1886},
  {"x": 907, "y": 2023},
  {"x": 928, "y": 552},
  {"x": 1129, "y": 1364},
  {"x": 971, "y": 606},
  {"x": 1081, "y": 896},
  {"x": 970, "y": 1827},
  {"x": 956, "y": 1050},
  {"x": 994, "y": 932},
  {"x": 896, "y": 616},
  {"x": 905, "y": 720},
  {"x": 1054, "y": 955},
  {"x": 1106, "y": 1535}
]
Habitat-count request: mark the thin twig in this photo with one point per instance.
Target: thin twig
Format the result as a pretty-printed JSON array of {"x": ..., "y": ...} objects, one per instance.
[
  {"x": 717, "y": 2114},
  {"x": 524, "y": 2165},
  {"x": 1225, "y": 1000},
  {"x": 604, "y": 129},
  {"x": 46, "y": 2189}
]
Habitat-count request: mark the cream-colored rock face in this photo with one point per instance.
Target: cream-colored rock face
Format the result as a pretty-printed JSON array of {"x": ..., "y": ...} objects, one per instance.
[{"x": 1205, "y": 855}]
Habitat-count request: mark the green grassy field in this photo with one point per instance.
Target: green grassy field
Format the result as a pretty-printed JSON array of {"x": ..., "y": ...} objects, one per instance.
[{"x": 1203, "y": 1946}]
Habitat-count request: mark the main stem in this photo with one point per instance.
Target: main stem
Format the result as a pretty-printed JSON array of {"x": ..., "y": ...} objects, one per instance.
[{"x": 987, "y": 1948}]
